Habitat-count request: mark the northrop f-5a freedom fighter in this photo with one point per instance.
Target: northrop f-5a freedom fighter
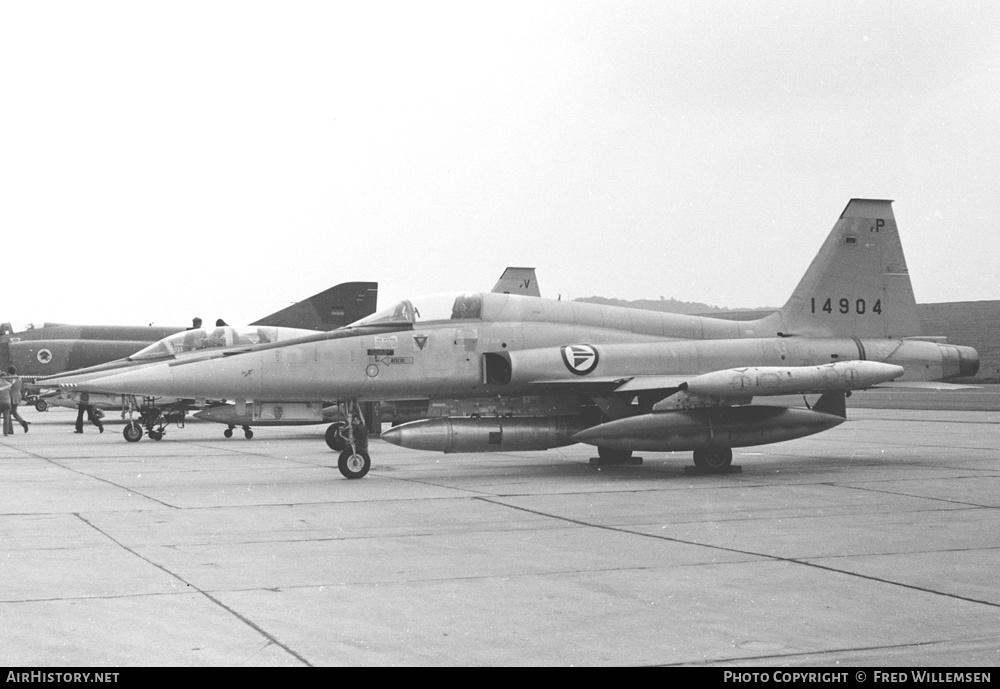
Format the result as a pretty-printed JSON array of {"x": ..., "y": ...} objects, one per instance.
[{"x": 543, "y": 373}]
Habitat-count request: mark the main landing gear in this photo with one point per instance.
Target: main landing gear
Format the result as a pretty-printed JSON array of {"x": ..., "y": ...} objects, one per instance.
[
  {"x": 247, "y": 433},
  {"x": 151, "y": 417},
  {"x": 715, "y": 460},
  {"x": 351, "y": 441}
]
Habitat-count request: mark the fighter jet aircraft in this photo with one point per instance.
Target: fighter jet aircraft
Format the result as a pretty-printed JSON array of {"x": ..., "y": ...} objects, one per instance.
[
  {"x": 55, "y": 348},
  {"x": 617, "y": 378},
  {"x": 514, "y": 280}
]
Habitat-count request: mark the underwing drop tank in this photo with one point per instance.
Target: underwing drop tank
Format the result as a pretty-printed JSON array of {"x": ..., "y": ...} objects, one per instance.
[
  {"x": 786, "y": 380},
  {"x": 498, "y": 434},
  {"x": 712, "y": 427},
  {"x": 271, "y": 414}
]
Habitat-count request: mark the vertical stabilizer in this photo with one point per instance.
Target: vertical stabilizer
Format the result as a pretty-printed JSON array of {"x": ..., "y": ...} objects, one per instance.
[
  {"x": 858, "y": 284},
  {"x": 518, "y": 281}
]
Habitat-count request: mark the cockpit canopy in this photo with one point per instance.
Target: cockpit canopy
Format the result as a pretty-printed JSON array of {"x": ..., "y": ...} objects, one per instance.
[
  {"x": 208, "y": 338},
  {"x": 432, "y": 307}
]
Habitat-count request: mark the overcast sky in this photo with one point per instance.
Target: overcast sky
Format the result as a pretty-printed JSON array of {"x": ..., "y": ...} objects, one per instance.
[{"x": 164, "y": 160}]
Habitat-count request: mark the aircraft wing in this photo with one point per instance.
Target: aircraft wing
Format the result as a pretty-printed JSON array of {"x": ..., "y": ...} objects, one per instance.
[
  {"x": 927, "y": 385},
  {"x": 597, "y": 385},
  {"x": 740, "y": 383}
]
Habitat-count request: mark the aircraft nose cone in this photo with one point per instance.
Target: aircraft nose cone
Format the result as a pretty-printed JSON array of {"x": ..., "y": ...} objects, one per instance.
[
  {"x": 155, "y": 380},
  {"x": 393, "y": 436}
]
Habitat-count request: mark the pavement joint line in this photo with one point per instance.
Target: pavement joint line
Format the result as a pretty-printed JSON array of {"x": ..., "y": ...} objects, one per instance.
[
  {"x": 969, "y": 505},
  {"x": 832, "y": 651},
  {"x": 102, "y": 480},
  {"x": 57, "y": 599},
  {"x": 245, "y": 620},
  {"x": 775, "y": 558}
]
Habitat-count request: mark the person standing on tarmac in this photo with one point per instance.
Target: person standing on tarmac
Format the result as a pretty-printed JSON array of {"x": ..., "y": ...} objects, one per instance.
[
  {"x": 92, "y": 416},
  {"x": 15, "y": 396},
  {"x": 8, "y": 426}
]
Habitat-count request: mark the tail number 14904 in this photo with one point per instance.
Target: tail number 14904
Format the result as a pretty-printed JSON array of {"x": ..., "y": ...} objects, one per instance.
[{"x": 845, "y": 305}]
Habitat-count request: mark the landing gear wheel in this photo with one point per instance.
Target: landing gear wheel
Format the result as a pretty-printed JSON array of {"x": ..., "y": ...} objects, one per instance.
[
  {"x": 334, "y": 438},
  {"x": 41, "y": 405},
  {"x": 228, "y": 432},
  {"x": 155, "y": 435},
  {"x": 609, "y": 454},
  {"x": 132, "y": 432},
  {"x": 354, "y": 463},
  {"x": 714, "y": 459},
  {"x": 248, "y": 434}
]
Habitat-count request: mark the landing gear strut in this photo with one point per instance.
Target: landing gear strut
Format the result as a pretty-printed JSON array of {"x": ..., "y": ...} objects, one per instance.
[{"x": 351, "y": 440}]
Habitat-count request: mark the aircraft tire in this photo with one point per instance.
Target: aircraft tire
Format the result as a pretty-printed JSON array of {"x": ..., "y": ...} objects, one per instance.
[
  {"x": 248, "y": 434},
  {"x": 713, "y": 459},
  {"x": 228, "y": 432},
  {"x": 132, "y": 432},
  {"x": 354, "y": 464},
  {"x": 334, "y": 440},
  {"x": 41, "y": 405}
]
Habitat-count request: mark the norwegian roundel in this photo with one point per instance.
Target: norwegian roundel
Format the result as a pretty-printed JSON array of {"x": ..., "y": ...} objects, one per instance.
[
  {"x": 580, "y": 359},
  {"x": 44, "y": 356}
]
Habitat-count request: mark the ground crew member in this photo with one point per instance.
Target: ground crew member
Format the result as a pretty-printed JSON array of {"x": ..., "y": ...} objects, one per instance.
[
  {"x": 8, "y": 426},
  {"x": 15, "y": 396},
  {"x": 92, "y": 416}
]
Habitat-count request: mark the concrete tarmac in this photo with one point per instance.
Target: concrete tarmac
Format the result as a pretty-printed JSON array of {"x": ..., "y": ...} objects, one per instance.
[{"x": 873, "y": 544}]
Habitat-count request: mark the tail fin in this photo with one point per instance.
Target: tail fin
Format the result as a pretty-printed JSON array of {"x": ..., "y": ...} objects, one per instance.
[
  {"x": 858, "y": 284},
  {"x": 328, "y": 310},
  {"x": 518, "y": 281}
]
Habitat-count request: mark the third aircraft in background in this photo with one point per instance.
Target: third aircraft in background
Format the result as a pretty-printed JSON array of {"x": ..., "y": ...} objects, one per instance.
[{"x": 546, "y": 373}]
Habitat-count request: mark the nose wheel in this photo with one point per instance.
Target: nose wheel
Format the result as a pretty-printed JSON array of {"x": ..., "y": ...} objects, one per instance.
[
  {"x": 354, "y": 463},
  {"x": 132, "y": 432}
]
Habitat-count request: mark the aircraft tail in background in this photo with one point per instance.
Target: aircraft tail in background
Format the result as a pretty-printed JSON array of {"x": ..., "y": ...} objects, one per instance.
[
  {"x": 330, "y": 309},
  {"x": 518, "y": 281}
]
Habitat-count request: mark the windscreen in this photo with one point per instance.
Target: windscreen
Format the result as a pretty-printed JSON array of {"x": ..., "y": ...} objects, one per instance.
[{"x": 433, "y": 307}]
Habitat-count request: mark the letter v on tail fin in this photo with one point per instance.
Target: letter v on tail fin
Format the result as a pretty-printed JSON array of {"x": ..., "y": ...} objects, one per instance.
[
  {"x": 858, "y": 284},
  {"x": 518, "y": 281}
]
